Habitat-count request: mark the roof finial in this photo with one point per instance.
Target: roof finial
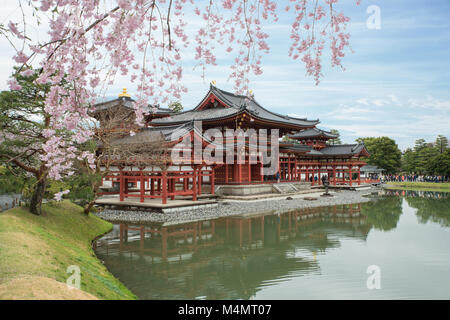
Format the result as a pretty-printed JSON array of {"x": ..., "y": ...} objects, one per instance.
[
  {"x": 124, "y": 93},
  {"x": 213, "y": 82}
]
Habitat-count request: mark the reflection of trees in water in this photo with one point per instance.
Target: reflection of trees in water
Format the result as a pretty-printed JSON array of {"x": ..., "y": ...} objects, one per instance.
[
  {"x": 431, "y": 209},
  {"x": 383, "y": 214},
  {"x": 431, "y": 205}
]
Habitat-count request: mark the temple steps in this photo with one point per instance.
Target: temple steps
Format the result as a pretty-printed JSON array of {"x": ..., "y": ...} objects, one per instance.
[{"x": 284, "y": 188}]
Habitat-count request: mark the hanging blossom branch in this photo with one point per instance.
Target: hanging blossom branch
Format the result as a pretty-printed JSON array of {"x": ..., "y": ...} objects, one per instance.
[
  {"x": 316, "y": 23},
  {"x": 88, "y": 43}
]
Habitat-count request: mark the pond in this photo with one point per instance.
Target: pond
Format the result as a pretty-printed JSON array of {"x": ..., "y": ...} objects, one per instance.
[{"x": 316, "y": 253}]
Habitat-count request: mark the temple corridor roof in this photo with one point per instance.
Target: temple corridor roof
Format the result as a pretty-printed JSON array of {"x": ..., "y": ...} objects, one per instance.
[
  {"x": 313, "y": 132},
  {"x": 330, "y": 150}
]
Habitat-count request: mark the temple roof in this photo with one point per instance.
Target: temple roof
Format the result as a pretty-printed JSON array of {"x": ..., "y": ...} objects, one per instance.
[
  {"x": 331, "y": 150},
  {"x": 232, "y": 105},
  {"x": 372, "y": 169},
  {"x": 313, "y": 132},
  {"x": 296, "y": 148},
  {"x": 344, "y": 149},
  {"x": 165, "y": 133},
  {"x": 127, "y": 103}
]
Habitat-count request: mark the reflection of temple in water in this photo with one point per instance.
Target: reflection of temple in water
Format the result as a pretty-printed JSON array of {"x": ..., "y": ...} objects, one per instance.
[{"x": 225, "y": 258}]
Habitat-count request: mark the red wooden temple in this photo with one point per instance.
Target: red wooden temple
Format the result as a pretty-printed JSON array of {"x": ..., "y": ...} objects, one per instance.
[{"x": 304, "y": 157}]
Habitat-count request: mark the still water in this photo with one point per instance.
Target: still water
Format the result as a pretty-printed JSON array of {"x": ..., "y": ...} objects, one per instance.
[{"x": 318, "y": 253}]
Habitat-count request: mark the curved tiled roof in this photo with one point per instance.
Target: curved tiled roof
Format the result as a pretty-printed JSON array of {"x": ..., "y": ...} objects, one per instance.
[
  {"x": 344, "y": 149},
  {"x": 167, "y": 133},
  {"x": 128, "y": 103},
  {"x": 235, "y": 104},
  {"x": 313, "y": 132},
  {"x": 331, "y": 150}
]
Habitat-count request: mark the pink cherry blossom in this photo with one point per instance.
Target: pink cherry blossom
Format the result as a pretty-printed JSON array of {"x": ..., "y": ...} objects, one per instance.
[{"x": 90, "y": 43}]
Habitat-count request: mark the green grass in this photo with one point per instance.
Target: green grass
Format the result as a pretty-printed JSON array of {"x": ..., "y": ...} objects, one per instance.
[
  {"x": 45, "y": 246},
  {"x": 417, "y": 186}
]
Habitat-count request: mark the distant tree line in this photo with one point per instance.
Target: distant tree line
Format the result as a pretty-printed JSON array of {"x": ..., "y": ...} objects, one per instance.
[
  {"x": 423, "y": 159},
  {"x": 428, "y": 158}
]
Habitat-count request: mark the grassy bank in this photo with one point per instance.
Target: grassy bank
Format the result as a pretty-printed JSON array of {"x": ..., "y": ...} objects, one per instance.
[
  {"x": 35, "y": 252},
  {"x": 420, "y": 186}
]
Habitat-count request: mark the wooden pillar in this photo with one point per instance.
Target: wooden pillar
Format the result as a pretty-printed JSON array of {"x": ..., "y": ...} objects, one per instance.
[
  {"x": 164, "y": 186},
  {"x": 212, "y": 177},
  {"x": 125, "y": 184},
  {"x": 142, "y": 187},
  {"x": 334, "y": 175},
  {"x": 319, "y": 180},
  {"x": 350, "y": 174},
  {"x": 261, "y": 172},
  {"x": 239, "y": 172},
  {"x": 359, "y": 175},
  {"x": 172, "y": 188},
  {"x": 199, "y": 179},
  {"x": 289, "y": 167},
  {"x": 194, "y": 185},
  {"x": 226, "y": 173},
  {"x": 121, "y": 186}
]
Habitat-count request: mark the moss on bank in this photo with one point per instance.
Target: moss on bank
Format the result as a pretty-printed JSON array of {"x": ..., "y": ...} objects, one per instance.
[
  {"x": 45, "y": 246},
  {"x": 419, "y": 186}
]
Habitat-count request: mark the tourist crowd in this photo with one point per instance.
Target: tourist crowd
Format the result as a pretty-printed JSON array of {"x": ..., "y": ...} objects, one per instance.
[{"x": 414, "y": 178}]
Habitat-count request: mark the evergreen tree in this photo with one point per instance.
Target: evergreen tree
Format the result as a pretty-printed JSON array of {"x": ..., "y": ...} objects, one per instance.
[
  {"x": 176, "y": 106},
  {"x": 337, "y": 140},
  {"x": 441, "y": 143},
  {"x": 384, "y": 153},
  {"x": 440, "y": 164}
]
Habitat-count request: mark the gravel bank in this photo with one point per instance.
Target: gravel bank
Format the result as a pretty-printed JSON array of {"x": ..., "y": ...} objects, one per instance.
[{"x": 234, "y": 207}]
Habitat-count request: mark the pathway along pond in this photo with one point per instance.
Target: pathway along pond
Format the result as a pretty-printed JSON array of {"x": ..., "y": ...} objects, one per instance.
[{"x": 316, "y": 253}]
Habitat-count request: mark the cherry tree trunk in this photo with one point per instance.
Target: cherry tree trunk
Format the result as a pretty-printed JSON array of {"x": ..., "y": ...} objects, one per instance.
[{"x": 38, "y": 195}]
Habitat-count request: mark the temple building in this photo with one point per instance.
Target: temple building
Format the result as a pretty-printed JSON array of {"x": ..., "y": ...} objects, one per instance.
[{"x": 241, "y": 161}]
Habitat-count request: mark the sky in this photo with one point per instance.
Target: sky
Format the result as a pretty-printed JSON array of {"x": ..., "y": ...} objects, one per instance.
[{"x": 396, "y": 83}]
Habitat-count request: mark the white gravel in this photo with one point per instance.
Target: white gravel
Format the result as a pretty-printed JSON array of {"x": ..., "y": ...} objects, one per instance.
[{"x": 238, "y": 207}]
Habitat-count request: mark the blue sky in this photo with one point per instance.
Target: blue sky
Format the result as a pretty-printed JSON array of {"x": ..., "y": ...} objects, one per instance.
[{"x": 396, "y": 82}]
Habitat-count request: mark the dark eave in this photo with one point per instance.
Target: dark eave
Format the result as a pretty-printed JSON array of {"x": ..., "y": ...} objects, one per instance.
[
  {"x": 313, "y": 133},
  {"x": 341, "y": 150}
]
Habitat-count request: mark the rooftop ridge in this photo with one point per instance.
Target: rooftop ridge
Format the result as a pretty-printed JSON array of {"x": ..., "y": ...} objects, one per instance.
[{"x": 259, "y": 105}]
